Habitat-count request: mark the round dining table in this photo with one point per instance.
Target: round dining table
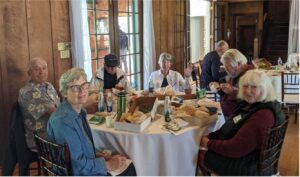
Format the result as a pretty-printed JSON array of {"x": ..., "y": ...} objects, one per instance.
[{"x": 155, "y": 151}]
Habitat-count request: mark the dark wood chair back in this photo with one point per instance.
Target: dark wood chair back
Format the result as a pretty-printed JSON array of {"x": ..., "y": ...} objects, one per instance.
[
  {"x": 271, "y": 148},
  {"x": 269, "y": 152},
  {"x": 54, "y": 158}
]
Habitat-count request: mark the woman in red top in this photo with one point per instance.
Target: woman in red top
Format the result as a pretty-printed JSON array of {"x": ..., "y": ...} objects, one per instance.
[{"x": 234, "y": 149}]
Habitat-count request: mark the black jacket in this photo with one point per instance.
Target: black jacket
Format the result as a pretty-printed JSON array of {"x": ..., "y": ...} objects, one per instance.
[{"x": 246, "y": 165}]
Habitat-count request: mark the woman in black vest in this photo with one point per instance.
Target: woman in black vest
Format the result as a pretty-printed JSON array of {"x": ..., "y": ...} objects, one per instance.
[{"x": 234, "y": 149}]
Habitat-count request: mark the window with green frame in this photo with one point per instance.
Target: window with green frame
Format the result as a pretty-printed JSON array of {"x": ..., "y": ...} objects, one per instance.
[{"x": 114, "y": 27}]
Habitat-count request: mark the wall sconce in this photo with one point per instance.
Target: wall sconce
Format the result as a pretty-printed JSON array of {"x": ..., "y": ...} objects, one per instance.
[{"x": 228, "y": 33}]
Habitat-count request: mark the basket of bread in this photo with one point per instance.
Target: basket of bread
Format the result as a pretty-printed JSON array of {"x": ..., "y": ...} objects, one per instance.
[
  {"x": 135, "y": 122},
  {"x": 164, "y": 91},
  {"x": 197, "y": 115}
]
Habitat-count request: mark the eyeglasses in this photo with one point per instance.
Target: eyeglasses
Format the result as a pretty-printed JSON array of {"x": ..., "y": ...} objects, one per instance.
[{"x": 80, "y": 88}]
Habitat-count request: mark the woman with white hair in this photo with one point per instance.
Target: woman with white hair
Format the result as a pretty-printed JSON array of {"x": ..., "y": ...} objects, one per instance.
[
  {"x": 236, "y": 65},
  {"x": 234, "y": 149},
  {"x": 68, "y": 124},
  {"x": 165, "y": 76}
]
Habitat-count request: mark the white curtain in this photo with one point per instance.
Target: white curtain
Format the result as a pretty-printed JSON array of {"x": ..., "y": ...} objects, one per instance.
[
  {"x": 148, "y": 41},
  {"x": 293, "y": 46},
  {"x": 81, "y": 51}
]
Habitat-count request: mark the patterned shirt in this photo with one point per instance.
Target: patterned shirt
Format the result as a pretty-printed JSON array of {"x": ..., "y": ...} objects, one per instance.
[{"x": 35, "y": 101}]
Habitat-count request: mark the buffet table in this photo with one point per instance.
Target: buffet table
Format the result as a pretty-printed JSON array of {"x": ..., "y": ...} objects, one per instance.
[{"x": 156, "y": 151}]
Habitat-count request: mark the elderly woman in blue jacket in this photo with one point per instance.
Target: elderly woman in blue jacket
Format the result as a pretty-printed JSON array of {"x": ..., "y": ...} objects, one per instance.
[{"x": 68, "y": 125}]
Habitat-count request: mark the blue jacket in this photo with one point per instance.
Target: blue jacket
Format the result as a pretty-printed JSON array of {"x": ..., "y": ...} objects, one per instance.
[
  {"x": 210, "y": 69},
  {"x": 65, "y": 126}
]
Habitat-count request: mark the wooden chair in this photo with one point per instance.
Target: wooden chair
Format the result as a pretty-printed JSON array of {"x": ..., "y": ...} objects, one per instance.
[
  {"x": 54, "y": 158},
  {"x": 290, "y": 91},
  {"x": 16, "y": 150},
  {"x": 269, "y": 152},
  {"x": 209, "y": 94}
]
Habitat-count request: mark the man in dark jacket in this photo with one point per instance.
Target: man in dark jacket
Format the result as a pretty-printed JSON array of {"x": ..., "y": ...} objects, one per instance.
[{"x": 211, "y": 65}]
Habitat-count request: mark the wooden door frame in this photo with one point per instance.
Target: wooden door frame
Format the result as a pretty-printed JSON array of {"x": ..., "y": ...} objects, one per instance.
[{"x": 235, "y": 27}]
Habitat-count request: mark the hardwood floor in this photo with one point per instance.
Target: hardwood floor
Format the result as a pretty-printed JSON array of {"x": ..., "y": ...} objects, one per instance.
[{"x": 289, "y": 158}]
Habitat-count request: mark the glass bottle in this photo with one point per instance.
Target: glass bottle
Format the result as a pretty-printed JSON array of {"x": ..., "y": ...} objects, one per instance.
[
  {"x": 279, "y": 63},
  {"x": 167, "y": 110},
  {"x": 100, "y": 101},
  {"x": 109, "y": 102}
]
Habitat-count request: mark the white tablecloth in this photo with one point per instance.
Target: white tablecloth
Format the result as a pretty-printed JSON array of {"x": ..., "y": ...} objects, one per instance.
[
  {"x": 155, "y": 151},
  {"x": 277, "y": 83}
]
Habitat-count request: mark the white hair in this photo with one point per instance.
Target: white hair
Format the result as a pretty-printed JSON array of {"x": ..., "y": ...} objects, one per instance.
[
  {"x": 255, "y": 77},
  {"x": 68, "y": 77},
  {"x": 164, "y": 56},
  {"x": 33, "y": 62},
  {"x": 235, "y": 56}
]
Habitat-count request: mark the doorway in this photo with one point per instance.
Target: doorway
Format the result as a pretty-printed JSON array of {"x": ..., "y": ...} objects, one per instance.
[
  {"x": 245, "y": 32},
  {"x": 246, "y": 40}
]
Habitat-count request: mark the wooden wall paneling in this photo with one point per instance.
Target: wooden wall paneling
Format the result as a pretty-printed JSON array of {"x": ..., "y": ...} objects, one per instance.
[
  {"x": 170, "y": 31},
  {"x": 156, "y": 22},
  {"x": 169, "y": 25},
  {"x": 14, "y": 59},
  {"x": 244, "y": 9},
  {"x": 60, "y": 23},
  {"x": 40, "y": 37},
  {"x": 164, "y": 27}
]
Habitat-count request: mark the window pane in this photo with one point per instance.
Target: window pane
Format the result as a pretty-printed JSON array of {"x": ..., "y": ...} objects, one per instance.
[
  {"x": 124, "y": 63},
  {"x": 103, "y": 45},
  {"x": 134, "y": 23},
  {"x": 93, "y": 46},
  {"x": 135, "y": 81},
  {"x": 133, "y": 6},
  {"x": 134, "y": 45},
  {"x": 91, "y": 20},
  {"x": 90, "y": 4},
  {"x": 123, "y": 5},
  {"x": 102, "y": 22},
  {"x": 135, "y": 63},
  {"x": 123, "y": 22},
  {"x": 102, "y": 4}
]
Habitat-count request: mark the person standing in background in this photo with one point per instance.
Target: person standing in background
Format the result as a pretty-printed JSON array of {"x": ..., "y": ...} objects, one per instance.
[
  {"x": 123, "y": 43},
  {"x": 211, "y": 65}
]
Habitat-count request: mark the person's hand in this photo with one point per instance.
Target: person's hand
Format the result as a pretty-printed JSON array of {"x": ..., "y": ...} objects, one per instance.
[
  {"x": 203, "y": 142},
  {"x": 51, "y": 110},
  {"x": 227, "y": 88},
  {"x": 101, "y": 154},
  {"x": 115, "y": 162},
  {"x": 214, "y": 86},
  {"x": 119, "y": 86},
  {"x": 188, "y": 70}
]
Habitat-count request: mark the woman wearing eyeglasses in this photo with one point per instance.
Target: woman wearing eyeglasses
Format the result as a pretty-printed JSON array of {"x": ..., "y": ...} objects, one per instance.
[{"x": 68, "y": 124}]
